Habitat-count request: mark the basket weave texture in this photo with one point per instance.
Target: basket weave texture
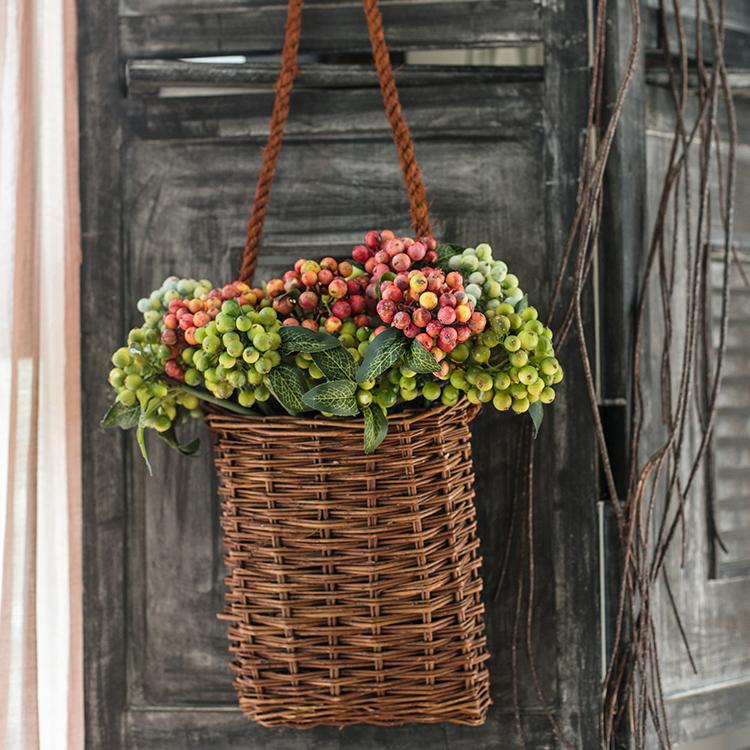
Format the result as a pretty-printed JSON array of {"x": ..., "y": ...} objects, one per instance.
[{"x": 353, "y": 587}]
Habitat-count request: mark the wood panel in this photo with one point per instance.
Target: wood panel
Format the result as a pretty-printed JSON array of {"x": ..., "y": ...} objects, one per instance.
[
  {"x": 164, "y": 28},
  {"x": 167, "y": 183},
  {"x": 185, "y": 201},
  {"x": 714, "y": 612}
]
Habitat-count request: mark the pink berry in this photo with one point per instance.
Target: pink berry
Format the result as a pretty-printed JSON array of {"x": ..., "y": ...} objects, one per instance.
[
  {"x": 447, "y": 315},
  {"x": 370, "y": 263},
  {"x": 372, "y": 290},
  {"x": 421, "y": 317},
  {"x": 477, "y": 322},
  {"x": 401, "y": 319},
  {"x": 360, "y": 253},
  {"x": 325, "y": 276},
  {"x": 447, "y": 299},
  {"x": 186, "y": 321},
  {"x": 332, "y": 324},
  {"x": 341, "y": 309},
  {"x": 431, "y": 256},
  {"x": 433, "y": 328},
  {"x": 381, "y": 256},
  {"x": 425, "y": 340},
  {"x": 463, "y": 333},
  {"x": 357, "y": 303},
  {"x": 362, "y": 321},
  {"x": 229, "y": 292},
  {"x": 372, "y": 239},
  {"x": 411, "y": 331},
  {"x": 311, "y": 324},
  {"x": 338, "y": 288},
  {"x": 454, "y": 280},
  {"x": 173, "y": 370},
  {"x": 309, "y": 278},
  {"x": 386, "y": 310},
  {"x": 416, "y": 251},
  {"x": 386, "y": 235},
  {"x": 447, "y": 339},
  {"x": 308, "y": 300},
  {"x": 329, "y": 263},
  {"x": 345, "y": 268},
  {"x": 354, "y": 286},
  {"x": 379, "y": 270},
  {"x": 393, "y": 247},
  {"x": 402, "y": 281},
  {"x": 435, "y": 281},
  {"x": 379, "y": 330},
  {"x": 290, "y": 322},
  {"x": 401, "y": 262},
  {"x": 392, "y": 292}
]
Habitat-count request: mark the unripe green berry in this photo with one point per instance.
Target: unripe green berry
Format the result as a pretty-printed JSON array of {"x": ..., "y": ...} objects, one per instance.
[
  {"x": 549, "y": 366},
  {"x": 122, "y": 357},
  {"x": 211, "y": 344},
  {"x": 431, "y": 391},
  {"x": 473, "y": 395},
  {"x": 547, "y": 396},
  {"x": 458, "y": 380},
  {"x": 512, "y": 343},
  {"x": 262, "y": 393},
  {"x": 315, "y": 372},
  {"x": 480, "y": 354},
  {"x": 502, "y": 381},
  {"x": 116, "y": 377},
  {"x": 126, "y": 397},
  {"x": 517, "y": 391},
  {"x": 519, "y": 358},
  {"x": 460, "y": 353},
  {"x": 246, "y": 397},
  {"x": 520, "y": 405},
  {"x": 133, "y": 382},
  {"x": 528, "y": 339},
  {"x": 502, "y": 400},
  {"x": 536, "y": 387},
  {"x": 364, "y": 398},
  {"x": 367, "y": 385},
  {"x": 192, "y": 376}
]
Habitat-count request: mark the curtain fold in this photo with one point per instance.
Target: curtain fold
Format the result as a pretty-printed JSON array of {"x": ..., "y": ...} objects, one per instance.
[{"x": 41, "y": 696}]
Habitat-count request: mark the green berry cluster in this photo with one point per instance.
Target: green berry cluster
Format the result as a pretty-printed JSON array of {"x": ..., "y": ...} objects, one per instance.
[
  {"x": 235, "y": 352},
  {"x": 487, "y": 281}
]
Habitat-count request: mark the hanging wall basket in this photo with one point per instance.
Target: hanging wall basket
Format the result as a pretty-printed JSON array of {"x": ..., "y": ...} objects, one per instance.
[{"x": 354, "y": 586}]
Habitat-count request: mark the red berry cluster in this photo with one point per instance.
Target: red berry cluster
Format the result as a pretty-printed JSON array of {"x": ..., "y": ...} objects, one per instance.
[
  {"x": 424, "y": 302},
  {"x": 383, "y": 252},
  {"x": 325, "y": 293}
]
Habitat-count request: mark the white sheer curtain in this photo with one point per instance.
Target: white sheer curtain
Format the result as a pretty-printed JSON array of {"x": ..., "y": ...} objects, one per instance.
[{"x": 41, "y": 697}]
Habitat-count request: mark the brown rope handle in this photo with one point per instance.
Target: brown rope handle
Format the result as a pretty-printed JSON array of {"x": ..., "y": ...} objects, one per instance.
[{"x": 401, "y": 135}]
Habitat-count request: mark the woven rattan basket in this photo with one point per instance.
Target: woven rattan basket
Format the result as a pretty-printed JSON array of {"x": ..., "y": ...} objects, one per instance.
[{"x": 354, "y": 586}]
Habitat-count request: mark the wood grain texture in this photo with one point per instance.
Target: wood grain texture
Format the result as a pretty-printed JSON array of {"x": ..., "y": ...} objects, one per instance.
[
  {"x": 714, "y": 612},
  {"x": 105, "y": 455},
  {"x": 499, "y": 151},
  {"x": 168, "y": 29}
]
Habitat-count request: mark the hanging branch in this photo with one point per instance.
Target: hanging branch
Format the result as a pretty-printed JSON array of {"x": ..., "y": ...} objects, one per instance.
[{"x": 651, "y": 508}]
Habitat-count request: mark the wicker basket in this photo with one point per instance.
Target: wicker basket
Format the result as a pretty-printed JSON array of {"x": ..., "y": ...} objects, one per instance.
[{"x": 354, "y": 586}]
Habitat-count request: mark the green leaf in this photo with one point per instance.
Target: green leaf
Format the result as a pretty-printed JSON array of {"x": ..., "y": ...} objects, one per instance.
[
  {"x": 536, "y": 412},
  {"x": 142, "y": 445},
  {"x": 446, "y": 251},
  {"x": 522, "y": 303},
  {"x": 376, "y": 427},
  {"x": 336, "y": 364},
  {"x": 384, "y": 351},
  {"x": 119, "y": 415},
  {"x": 287, "y": 384},
  {"x": 170, "y": 439},
  {"x": 420, "y": 359},
  {"x": 335, "y": 397},
  {"x": 298, "y": 339}
]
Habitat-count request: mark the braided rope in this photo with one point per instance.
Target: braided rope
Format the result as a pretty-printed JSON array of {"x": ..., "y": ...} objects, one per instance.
[
  {"x": 284, "y": 84},
  {"x": 401, "y": 135}
]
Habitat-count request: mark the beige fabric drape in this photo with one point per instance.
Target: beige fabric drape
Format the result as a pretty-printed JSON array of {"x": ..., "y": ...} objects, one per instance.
[{"x": 41, "y": 696}]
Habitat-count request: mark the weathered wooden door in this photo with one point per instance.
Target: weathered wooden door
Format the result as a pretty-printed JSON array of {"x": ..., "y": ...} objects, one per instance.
[{"x": 170, "y": 152}]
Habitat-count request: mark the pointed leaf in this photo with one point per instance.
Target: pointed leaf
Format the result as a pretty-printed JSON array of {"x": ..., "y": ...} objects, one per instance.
[
  {"x": 334, "y": 397},
  {"x": 189, "y": 449},
  {"x": 119, "y": 415},
  {"x": 287, "y": 384},
  {"x": 384, "y": 351},
  {"x": 336, "y": 364},
  {"x": 536, "y": 412},
  {"x": 376, "y": 427},
  {"x": 142, "y": 445},
  {"x": 298, "y": 339},
  {"x": 419, "y": 359}
]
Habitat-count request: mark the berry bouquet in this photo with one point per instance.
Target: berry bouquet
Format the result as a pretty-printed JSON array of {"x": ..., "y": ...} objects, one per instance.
[{"x": 401, "y": 323}]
